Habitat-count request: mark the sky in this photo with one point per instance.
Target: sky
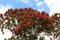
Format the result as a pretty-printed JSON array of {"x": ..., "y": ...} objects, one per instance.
[
  {"x": 50, "y": 6},
  {"x": 35, "y": 4}
]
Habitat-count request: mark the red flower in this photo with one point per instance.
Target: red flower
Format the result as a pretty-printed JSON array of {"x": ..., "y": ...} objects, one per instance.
[
  {"x": 49, "y": 19},
  {"x": 29, "y": 9},
  {"x": 30, "y": 20},
  {"x": 40, "y": 16},
  {"x": 29, "y": 16},
  {"x": 43, "y": 13},
  {"x": 24, "y": 25},
  {"x": 25, "y": 20},
  {"x": 47, "y": 14},
  {"x": 4, "y": 14},
  {"x": 29, "y": 24},
  {"x": 36, "y": 14},
  {"x": 31, "y": 12},
  {"x": 18, "y": 13},
  {"x": 15, "y": 30},
  {"x": 19, "y": 27},
  {"x": 24, "y": 12},
  {"x": 19, "y": 17}
]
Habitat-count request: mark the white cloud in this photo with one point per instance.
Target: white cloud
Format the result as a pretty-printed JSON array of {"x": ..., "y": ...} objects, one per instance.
[
  {"x": 3, "y": 8},
  {"x": 39, "y": 3},
  {"x": 40, "y": 10},
  {"x": 54, "y": 6},
  {"x": 7, "y": 34},
  {"x": 25, "y": 1}
]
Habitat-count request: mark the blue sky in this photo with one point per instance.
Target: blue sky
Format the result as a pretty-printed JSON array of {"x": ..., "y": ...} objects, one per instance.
[
  {"x": 26, "y": 4},
  {"x": 50, "y": 6}
]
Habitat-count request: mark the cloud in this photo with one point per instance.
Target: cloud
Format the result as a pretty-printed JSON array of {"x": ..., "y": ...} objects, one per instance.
[
  {"x": 24, "y": 1},
  {"x": 42, "y": 6},
  {"x": 39, "y": 3},
  {"x": 40, "y": 10},
  {"x": 54, "y": 6},
  {"x": 3, "y": 8},
  {"x": 7, "y": 34}
]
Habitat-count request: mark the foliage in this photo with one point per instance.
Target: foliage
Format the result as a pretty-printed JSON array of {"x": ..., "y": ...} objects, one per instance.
[{"x": 26, "y": 23}]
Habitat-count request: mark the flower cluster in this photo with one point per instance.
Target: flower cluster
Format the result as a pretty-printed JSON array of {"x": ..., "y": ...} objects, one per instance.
[
  {"x": 27, "y": 17},
  {"x": 25, "y": 21}
]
